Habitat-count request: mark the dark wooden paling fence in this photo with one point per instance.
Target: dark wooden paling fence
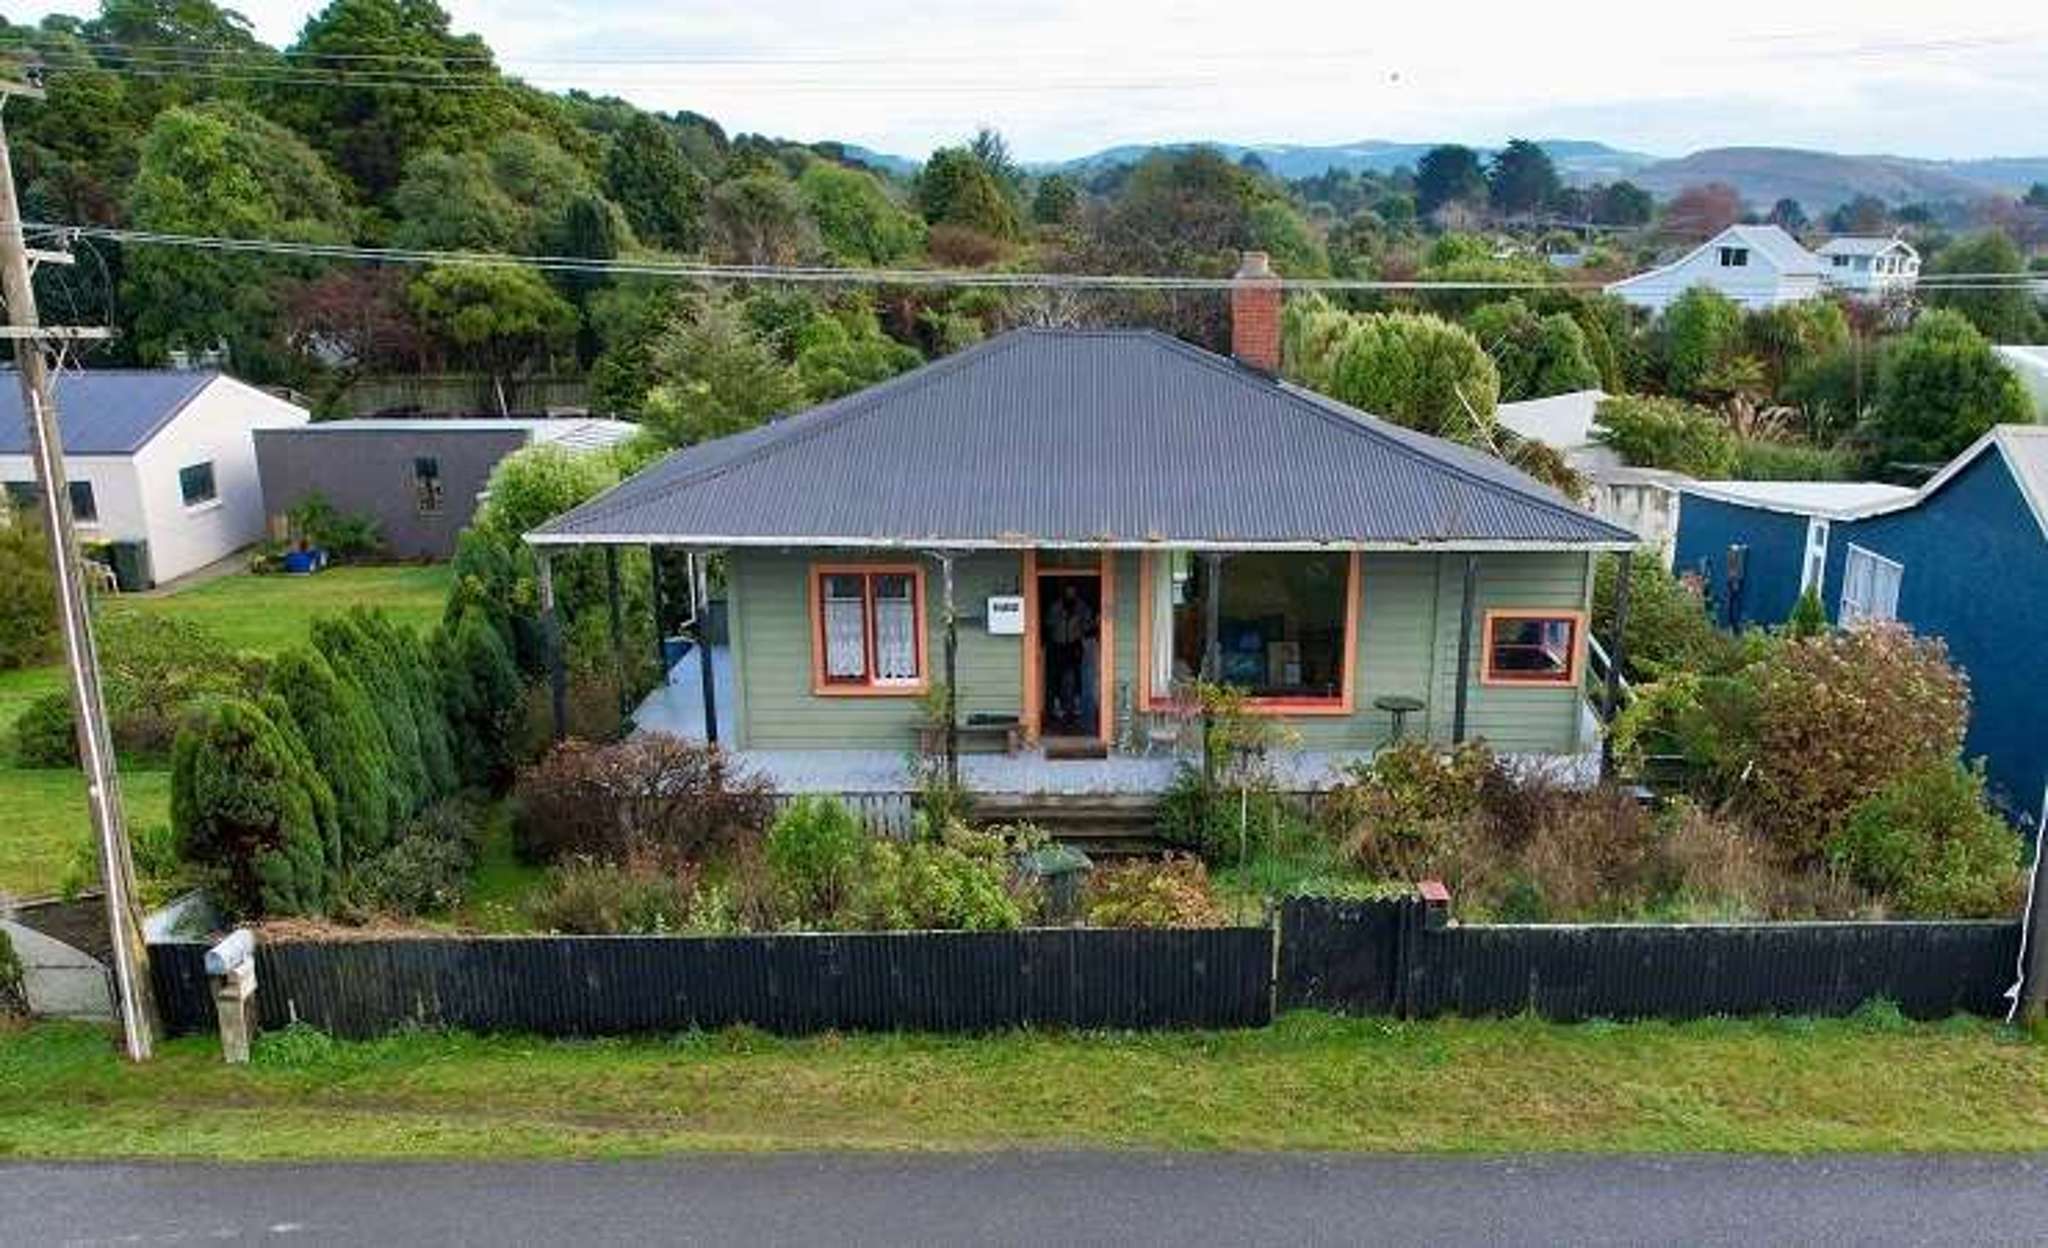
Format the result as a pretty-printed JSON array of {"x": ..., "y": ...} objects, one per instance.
[
  {"x": 792, "y": 984},
  {"x": 1397, "y": 957}
]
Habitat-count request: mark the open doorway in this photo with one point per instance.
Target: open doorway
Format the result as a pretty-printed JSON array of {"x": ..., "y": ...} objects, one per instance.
[{"x": 1070, "y": 658}]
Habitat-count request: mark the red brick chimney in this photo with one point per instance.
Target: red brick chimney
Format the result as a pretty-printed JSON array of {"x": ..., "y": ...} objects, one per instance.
[{"x": 1255, "y": 313}]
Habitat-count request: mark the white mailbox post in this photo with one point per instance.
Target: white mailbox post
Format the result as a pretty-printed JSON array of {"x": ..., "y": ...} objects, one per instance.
[{"x": 231, "y": 965}]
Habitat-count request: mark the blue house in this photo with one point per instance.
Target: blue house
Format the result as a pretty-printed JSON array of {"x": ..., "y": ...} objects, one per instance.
[{"x": 1963, "y": 558}]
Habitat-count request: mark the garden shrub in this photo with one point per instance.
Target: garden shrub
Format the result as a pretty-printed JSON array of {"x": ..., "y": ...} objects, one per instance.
[
  {"x": 1666, "y": 433},
  {"x": 934, "y": 887},
  {"x": 1222, "y": 822},
  {"x": 585, "y": 897},
  {"x": 654, "y": 790},
  {"x": 250, "y": 811},
  {"x": 1668, "y": 629},
  {"x": 46, "y": 733},
  {"x": 157, "y": 670},
  {"x": 1839, "y": 716},
  {"x": 1397, "y": 816},
  {"x": 482, "y": 692},
  {"x": 335, "y": 719},
  {"x": 1929, "y": 846},
  {"x": 1173, "y": 892},
  {"x": 152, "y": 848},
  {"x": 13, "y": 981},
  {"x": 28, "y": 610},
  {"x": 355, "y": 649},
  {"x": 1595, "y": 855},
  {"x": 814, "y": 854},
  {"x": 427, "y": 867},
  {"x": 345, "y": 536}
]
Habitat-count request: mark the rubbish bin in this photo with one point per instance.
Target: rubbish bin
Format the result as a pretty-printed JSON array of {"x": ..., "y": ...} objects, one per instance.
[
  {"x": 1062, "y": 870},
  {"x": 131, "y": 566}
]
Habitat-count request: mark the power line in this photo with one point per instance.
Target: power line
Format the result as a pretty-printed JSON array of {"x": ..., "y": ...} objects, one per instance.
[{"x": 825, "y": 275}]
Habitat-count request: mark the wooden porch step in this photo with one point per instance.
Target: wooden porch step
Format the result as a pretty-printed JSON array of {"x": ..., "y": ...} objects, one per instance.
[{"x": 1112, "y": 825}]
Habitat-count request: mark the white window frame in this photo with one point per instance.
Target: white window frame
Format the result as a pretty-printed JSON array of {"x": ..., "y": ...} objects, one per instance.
[
  {"x": 1813, "y": 574},
  {"x": 1734, "y": 257},
  {"x": 1872, "y": 605},
  {"x": 212, "y": 498}
]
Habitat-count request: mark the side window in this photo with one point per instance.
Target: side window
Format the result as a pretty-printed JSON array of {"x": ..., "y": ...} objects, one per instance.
[
  {"x": 1734, "y": 257},
  {"x": 1815, "y": 570},
  {"x": 85, "y": 509},
  {"x": 195, "y": 484},
  {"x": 1532, "y": 648},
  {"x": 1870, "y": 587},
  {"x": 426, "y": 485}
]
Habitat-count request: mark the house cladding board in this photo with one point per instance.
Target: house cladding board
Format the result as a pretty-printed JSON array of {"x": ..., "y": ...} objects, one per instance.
[
  {"x": 1096, "y": 438},
  {"x": 1975, "y": 574},
  {"x": 1707, "y": 527},
  {"x": 1407, "y": 645},
  {"x": 369, "y": 472},
  {"x": 770, "y": 592}
]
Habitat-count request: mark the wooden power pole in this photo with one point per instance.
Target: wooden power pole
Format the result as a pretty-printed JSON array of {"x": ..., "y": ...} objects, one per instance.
[{"x": 136, "y": 1002}]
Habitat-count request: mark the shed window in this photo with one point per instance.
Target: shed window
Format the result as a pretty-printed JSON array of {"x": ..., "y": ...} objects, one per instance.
[
  {"x": 868, "y": 629},
  {"x": 196, "y": 485},
  {"x": 426, "y": 485},
  {"x": 1532, "y": 647},
  {"x": 85, "y": 509},
  {"x": 1735, "y": 257},
  {"x": 1870, "y": 587}
]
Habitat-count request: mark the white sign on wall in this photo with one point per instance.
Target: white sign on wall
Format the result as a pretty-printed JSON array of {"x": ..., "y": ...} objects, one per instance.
[{"x": 1006, "y": 615}]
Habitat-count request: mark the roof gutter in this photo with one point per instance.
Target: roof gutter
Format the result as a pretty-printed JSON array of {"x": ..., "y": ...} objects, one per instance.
[{"x": 800, "y": 542}]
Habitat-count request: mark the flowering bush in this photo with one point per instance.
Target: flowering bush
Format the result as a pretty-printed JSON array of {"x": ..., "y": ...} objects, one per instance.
[
  {"x": 1838, "y": 717},
  {"x": 1174, "y": 892}
]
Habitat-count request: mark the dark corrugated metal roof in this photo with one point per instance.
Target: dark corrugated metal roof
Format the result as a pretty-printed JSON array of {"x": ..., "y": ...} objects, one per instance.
[
  {"x": 103, "y": 413},
  {"x": 1062, "y": 436}
]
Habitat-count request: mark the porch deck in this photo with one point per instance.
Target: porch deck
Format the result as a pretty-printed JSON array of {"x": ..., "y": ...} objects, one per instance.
[{"x": 678, "y": 708}]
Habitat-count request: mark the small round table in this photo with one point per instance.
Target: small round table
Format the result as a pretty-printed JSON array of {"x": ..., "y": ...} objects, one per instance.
[{"x": 1400, "y": 706}]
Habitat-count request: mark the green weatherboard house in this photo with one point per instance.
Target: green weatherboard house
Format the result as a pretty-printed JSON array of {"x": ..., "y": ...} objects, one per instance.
[{"x": 1116, "y": 512}]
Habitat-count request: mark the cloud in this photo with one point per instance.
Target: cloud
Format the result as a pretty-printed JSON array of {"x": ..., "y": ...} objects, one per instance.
[{"x": 1063, "y": 77}]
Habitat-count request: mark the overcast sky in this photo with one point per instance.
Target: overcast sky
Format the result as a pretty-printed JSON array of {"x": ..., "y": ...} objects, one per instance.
[{"x": 1061, "y": 78}]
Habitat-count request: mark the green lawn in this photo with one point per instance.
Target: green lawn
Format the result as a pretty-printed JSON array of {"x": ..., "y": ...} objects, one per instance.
[
  {"x": 43, "y": 814},
  {"x": 1310, "y": 1082}
]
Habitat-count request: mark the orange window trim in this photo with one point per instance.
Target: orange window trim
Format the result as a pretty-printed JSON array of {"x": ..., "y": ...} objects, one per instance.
[
  {"x": 1354, "y": 597},
  {"x": 868, "y": 687},
  {"x": 1573, "y": 661}
]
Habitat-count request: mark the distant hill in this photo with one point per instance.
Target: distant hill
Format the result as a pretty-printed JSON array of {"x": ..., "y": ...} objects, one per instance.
[
  {"x": 1821, "y": 181},
  {"x": 1579, "y": 160}
]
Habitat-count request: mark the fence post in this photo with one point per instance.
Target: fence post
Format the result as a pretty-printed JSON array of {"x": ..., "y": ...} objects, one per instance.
[{"x": 2033, "y": 985}]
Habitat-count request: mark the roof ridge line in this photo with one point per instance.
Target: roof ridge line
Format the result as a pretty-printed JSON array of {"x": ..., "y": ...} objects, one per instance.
[
  {"x": 1317, "y": 403},
  {"x": 852, "y": 406}
]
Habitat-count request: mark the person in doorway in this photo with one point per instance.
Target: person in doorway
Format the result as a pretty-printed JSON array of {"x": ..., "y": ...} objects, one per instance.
[{"x": 1069, "y": 623}]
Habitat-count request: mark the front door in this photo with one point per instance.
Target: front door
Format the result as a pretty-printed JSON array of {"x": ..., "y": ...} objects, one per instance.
[{"x": 1068, "y": 635}]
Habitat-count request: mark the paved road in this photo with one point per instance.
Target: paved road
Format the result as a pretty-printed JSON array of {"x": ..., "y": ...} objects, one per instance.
[{"x": 1042, "y": 1198}]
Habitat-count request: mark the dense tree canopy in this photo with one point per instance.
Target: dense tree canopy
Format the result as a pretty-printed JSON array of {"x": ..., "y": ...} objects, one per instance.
[
  {"x": 1448, "y": 174},
  {"x": 1521, "y": 178},
  {"x": 1416, "y": 370},
  {"x": 2008, "y": 313},
  {"x": 1940, "y": 388},
  {"x": 648, "y": 176}
]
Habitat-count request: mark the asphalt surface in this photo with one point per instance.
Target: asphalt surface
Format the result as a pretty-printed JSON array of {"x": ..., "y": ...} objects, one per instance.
[{"x": 1040, "y": 1198}]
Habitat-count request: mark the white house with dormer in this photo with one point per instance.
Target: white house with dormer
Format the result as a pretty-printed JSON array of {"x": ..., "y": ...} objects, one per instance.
[
  {"x": 1758, "y": 266},
  {"x": 1869, "y": 268}
]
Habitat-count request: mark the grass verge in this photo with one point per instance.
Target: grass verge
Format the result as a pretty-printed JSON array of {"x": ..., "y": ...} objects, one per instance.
[{"x": 1310, "y": 1082}]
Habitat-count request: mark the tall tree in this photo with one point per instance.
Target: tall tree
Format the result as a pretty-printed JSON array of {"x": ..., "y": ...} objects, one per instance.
[
  {"x": 2005, "y": 311},
  {"x": 219, "y": 169},
  {"x": 1446, "y": 175},
  {"x": 715, "y": 376},
  {"x": 661, "y": 193},
  {"x": 1787, "y": 214},
  {"x": 1623, "y": 203},
  {"x": 1521, "y": 178},
  {"x": 1057, "y": 201},
  {"x": 1700, "y": 212},
  {"x": 369, "y": 131},
  {"x": 1939, "y": 388},
  {"x": 857, "y": 221},
  {"x": 1415, "y": 370},
  {"x": 957, "y": 187},
  {"x": 760, "y": 219},
  {"x": 499, "y": 317}
]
